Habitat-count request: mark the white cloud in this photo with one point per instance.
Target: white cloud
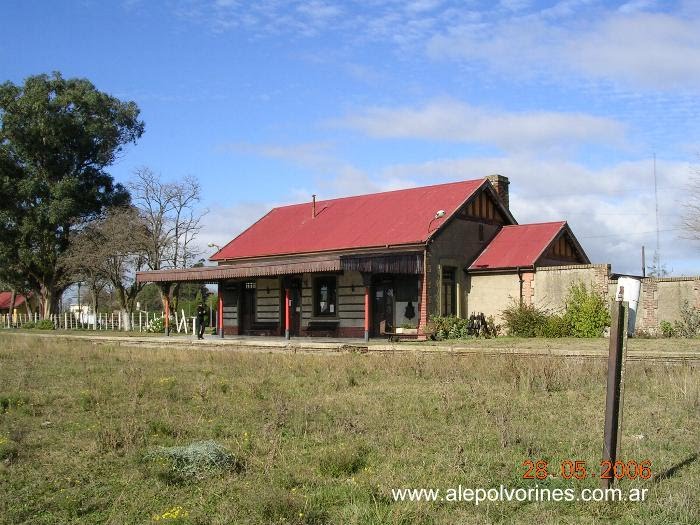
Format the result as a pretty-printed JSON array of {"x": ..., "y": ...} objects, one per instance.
[
  {"x": 450, "y": 120},
  {"x": 630, "y": 46},
  {"x": 314, "y": 155},
  {"x": 223, "y": 223},
  {"x": 651, "y": 49},
  {"x": 635, "y": 43},
  {"x": 611, "y": 209}
]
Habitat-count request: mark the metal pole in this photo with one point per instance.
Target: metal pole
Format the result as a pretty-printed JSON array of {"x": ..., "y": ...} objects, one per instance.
[{"x": 612, "y": 398}]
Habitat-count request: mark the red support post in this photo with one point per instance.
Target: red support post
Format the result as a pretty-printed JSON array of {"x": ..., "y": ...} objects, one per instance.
[
  {"x": 286, "y": 313},
  {"x": 366, "y": 313},
  {"x": 167, "y": 317},
  {"x": 221, "y": 312}
]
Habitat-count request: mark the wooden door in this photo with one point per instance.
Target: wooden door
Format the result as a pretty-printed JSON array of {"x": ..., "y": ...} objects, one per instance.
[
  {"x": 247, "y": 317},
  {"x": 383, "y": 305}
]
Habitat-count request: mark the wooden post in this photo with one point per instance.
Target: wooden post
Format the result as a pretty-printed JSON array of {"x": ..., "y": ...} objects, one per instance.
[
  {"x": 612, "y": 398},
  {"x": 286, "y": 313},
  {"x": 221, "y": 311},
  {"x": 166, "y": 318},
  {"x": 367, "y": 313}
]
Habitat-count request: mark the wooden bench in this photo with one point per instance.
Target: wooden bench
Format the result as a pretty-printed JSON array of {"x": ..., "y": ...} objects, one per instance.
[
  {"x": 393, "y": 336},
  {"x": 327, "y": 328},
  {"x": 264, "y": 328}
]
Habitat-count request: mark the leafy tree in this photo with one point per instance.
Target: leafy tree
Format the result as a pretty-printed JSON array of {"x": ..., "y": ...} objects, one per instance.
[{"x": 57, "y": 137}]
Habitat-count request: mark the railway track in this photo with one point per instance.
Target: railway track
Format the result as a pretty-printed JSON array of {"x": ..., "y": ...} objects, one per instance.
[{"x": 336, "y": 348}]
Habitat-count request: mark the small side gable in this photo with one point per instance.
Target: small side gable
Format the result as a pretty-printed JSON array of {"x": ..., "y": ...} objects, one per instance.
[
  {"x": 485, "y": 206},
  {"x": 563, "y": 249}
]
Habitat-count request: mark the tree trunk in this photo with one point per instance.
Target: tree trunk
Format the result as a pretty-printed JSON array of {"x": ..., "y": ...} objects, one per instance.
[
  {"x": 46, "y": 300},
  {"x": 13, "y": 298},
  {"x": 126, "y": 319},
  {"x": 94, "y": 307}
]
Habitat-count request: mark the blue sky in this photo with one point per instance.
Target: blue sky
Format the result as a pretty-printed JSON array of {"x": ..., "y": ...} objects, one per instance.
[{"x": 267, "y": 102}]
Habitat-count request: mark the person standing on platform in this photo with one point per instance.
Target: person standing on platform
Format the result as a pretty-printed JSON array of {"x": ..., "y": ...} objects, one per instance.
[{"x": 201, "y": 315}]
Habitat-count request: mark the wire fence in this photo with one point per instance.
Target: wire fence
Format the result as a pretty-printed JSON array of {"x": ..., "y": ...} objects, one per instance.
[{"x": 141, "y": 321}]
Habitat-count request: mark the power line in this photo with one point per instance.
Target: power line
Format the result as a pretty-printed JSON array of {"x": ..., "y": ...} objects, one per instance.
[{"x": 627, "y": 233}]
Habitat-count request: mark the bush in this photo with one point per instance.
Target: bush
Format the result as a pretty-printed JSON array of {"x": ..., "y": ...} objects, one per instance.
[
  {"x": 667, "y": 329},
  {"x": 453, "y": 327},
  {"x": 689, "y": 323},
  {"x": 195, "y": 460},
  {"x": 586, "y": 312},
  {"x": 448, "y": 327},
  {"x": 586, "y": 315},
  {"x": 556, "y": 326},
  {"x": 525, "y": 320},
  {"x": 157, "y": 326},
  {"x": 44, "y": 324}
]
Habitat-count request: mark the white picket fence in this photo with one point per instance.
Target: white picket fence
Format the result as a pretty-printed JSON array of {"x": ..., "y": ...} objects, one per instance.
[{"x": 140, "y": 321}]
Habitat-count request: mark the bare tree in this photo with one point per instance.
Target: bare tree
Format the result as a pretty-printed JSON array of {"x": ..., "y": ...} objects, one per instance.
[
  {"x": 173, "y": 219},
  {"x": 84, "y": 261},
  {"x": 112, "y": 249},
  {"x": 691, "y": 211}
]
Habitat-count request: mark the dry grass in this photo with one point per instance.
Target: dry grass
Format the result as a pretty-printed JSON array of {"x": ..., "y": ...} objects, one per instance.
[{"x": 324, "y": 439}]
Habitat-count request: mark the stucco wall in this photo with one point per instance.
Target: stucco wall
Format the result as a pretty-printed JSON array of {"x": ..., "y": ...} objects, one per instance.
[
  {"x": 491, "y": 293},
  {"x": 551, "y": 284},
  {"x": 661, "y": 300},
  {"x": 457, "y": 245}
]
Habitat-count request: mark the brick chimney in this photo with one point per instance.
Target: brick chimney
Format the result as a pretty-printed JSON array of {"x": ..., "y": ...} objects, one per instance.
[{"x": 500, "y": 184}]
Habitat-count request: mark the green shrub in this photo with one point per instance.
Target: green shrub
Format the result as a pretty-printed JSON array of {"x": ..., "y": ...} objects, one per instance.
[
  {"x": 194, "y": 461},
  {"x": 586, "y": 315},
  {"x": 44, "y": 324},
  {"x": 524, "y": 320},
  {"x": 453, "y": 327},
  {"x": 689, "y": 323},
  {"x": 448, "y": 327},
  {"x": 667, "y": 329},
  {"x": 157, "y": 326},
  {"x": 555, "y": 326},
  {"x": 586, "y": 312}
]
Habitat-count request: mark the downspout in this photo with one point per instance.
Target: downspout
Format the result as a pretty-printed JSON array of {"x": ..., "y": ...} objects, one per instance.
[{"x": 520, "y": 279}]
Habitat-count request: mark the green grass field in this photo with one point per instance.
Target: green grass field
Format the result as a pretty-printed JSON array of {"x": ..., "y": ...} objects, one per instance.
[{"x": 324, "y": 438}]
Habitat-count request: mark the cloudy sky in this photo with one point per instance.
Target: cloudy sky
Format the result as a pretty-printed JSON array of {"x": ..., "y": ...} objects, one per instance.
[{"x": 267, "y": 102}]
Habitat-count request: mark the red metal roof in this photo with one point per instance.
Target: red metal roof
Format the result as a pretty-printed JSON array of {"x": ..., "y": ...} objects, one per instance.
[
  {"x": 6, "y": 297},
  {"x": 517, "y": 246},
  {"x": 365, "y": 221}
]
